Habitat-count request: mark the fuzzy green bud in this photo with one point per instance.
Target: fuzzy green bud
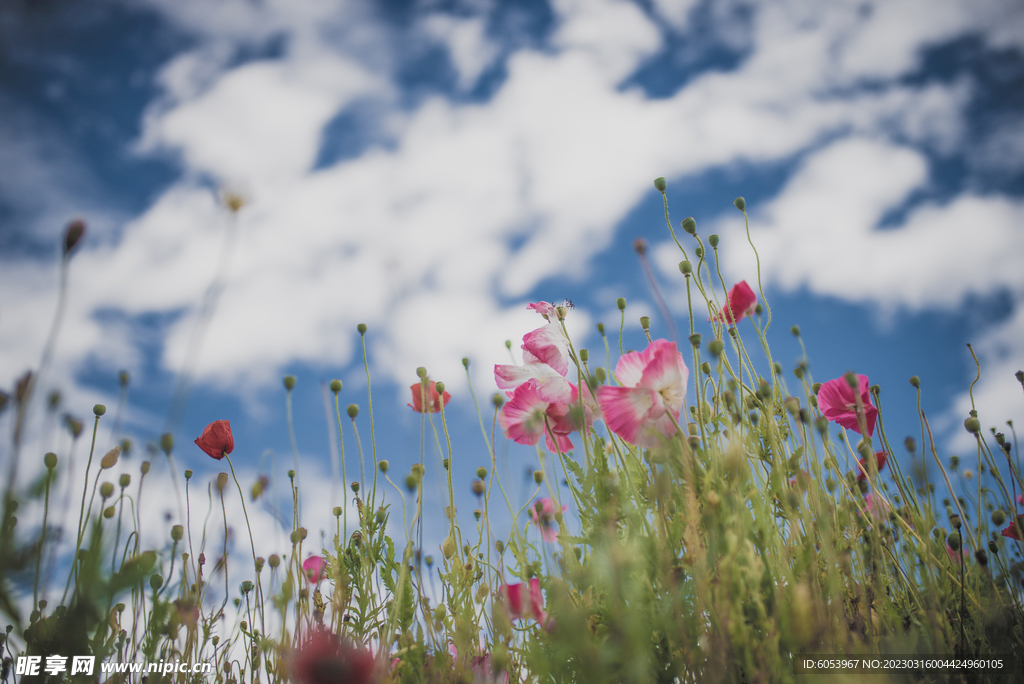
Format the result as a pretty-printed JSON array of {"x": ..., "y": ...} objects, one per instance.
[
  {"x": 355, "y": 487},
  {"x": 439, "y": 386},
  {"x": 188, "y": 475},
  {"x": 289, "y": 382},
  {"x": 584, "y": 355},
  {"x": 167, "y": 442},
  {"x": 444, "y": 463},
  {"x": 621, "y": 303},
  {"x": 705, "y": 368},
  {"x": 177, "y": 532},
  {"x": 910, "y": 444},
  {"x": 50, "y": 460},
  {"x": 715, "y": 347},
  {"x": 915, "y": 381},
  {"x": 600, "y": 329},
  {"x": 740, "y": 203},
  {"x": 795, "y": 330},
  {"x": 353, "y": 411},
  {"x": 538, "y": 476},
  {"x": 144, "y": 467},
  {"x": 689, "y": 225},
  {"x": 645, "y": 322},
  {"x": 106, "y": 490},
  {"x": 953, "y": 541},
  {"x": 478, "y": 487},
  {"x": 361, "y": 328},
  {"x": 698, "y": 252},
  {"x": 713, "y": 241},
  {"x": 660, "y": 185},
  {"x": 993, "y": 547},
  {"x": 695, "y": 339},
  {"x": 815, "y": 387},
  {"x": 998, "y": 518},
  {"x": 685, "y": 267},
  {"x": 600, "y": 375},
  {"x": 109, "y": 512},
  {"x": 973, "y": 425},
  {"x": 222, "y": 481},
  {"x": 497, "y": 400},
  {"x": 799, "y": 372},
  {"x": 383, "y": 465},
  {"x": 335, "y": 385},
  {"x": 109, "y": 459},
  {"x": 99, "y": 409},
  {"x": 274, "y": 561},
  {"x": 481, "y": 472},
  {"x": 448, "y": 547},
  {"x": 410, "y": 483},
  {"x": 156, "y": 581},
  {"x": 125, "y": 480}
]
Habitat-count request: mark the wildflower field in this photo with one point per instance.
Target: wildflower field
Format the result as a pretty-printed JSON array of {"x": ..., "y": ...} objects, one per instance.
[{"x": 732, "y": 520}]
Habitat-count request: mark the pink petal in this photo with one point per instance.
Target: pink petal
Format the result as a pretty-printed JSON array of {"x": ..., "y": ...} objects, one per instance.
[
  {"x": 513, "y": 596},
  {"x": 523, "y": 416},
  {"x": 537, "y": 602},
  {"x": 549, "y": 344},
  {"x": 544, "y": 309},
  {"x": 630, "y": 368},
  {"x": 836, "y": 401},
  {"x": 625, "y": 409},
  {"x": 666, "y": 374}
]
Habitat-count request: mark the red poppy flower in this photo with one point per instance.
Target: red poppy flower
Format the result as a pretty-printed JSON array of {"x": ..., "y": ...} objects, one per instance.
[
  {"x": 315, "y": 568},
  {"x": 326, "y": 659},
  {"x": 740, "y": 302},
  {"x": 880, "y": 456},
  {"x": 216, "y": 439},
  {"x": 433, "y": 398},
  {"x": 1012, "y": 530}
]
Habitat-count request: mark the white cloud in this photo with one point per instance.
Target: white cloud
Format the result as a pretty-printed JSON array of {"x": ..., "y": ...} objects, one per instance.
[{"x": 416, "y": 240}]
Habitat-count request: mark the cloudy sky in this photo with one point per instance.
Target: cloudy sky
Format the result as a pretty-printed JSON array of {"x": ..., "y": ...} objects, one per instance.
[{"x": 428, "y": 168}]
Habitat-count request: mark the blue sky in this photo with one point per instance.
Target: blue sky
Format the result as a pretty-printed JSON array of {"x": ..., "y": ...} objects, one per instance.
[{"x": 428, "y": 168}]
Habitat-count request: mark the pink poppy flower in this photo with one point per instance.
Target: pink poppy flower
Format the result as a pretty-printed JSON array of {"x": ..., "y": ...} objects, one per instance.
[
  {"x": 551, "y": 385},
  {"x": 739, "y": 303},
  {"x": 880, "y": 458},
  {"x": 324, "y": 658},
  {"x": 545, "y": 518},
  {"x": 433, "y": 398},
  {"x": 838, "y": 403},
  {"x": 652, "y": 394},
  {"x": 216, "y": 439},
  {"x": 1020, "y": 499},
  {"x": 528, "y": 416},
  {"x": 877, "y": 507},
  {"x": 512, "y": 595},
  {"x": 314, "y": 568},
  {"x": 548, "y": 343}
]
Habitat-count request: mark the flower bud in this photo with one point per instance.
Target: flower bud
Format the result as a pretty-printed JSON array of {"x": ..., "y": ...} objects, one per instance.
[
  {"x": 295, "y": 537},
  {"x": 50, "y": 460},
  {"x": 477, "y": 513},
  {"x": 600, "y": 329},
  {"x": 993, "y": 547},
  {"x": 715, "y": 347},
  {"x": 621, "y": 303},
  {"x": 645, "y": 322},
  {"x": 383, "y": 465},
  {"x": 144, "y": 467},
  {"x": 335, "y": 385},
  {"x": 689, "y": 225},
  {"x": 478, "y": 487},
  {"x": 821, "y": 424},
  {"x": 740, "y": 203},
  {"x": 73, "y": 234},
  {"x": 417, "y": 470},
  {"x": 289, "y": 382},
  {"x": 188, "y": 474},
  {"x": 259, "y": 564},
  {"x": 910, "y": 444},
  {"x": 99, "y": 409},
  {"x": 355, "y": 487},
  {"x": 954, "y": 461},
  {"x": 538, "y": 476},
  {"x": 698, "y": 251},
  {"x": 481, "y": 472},
  {"x": 444, "y": 463},
  {"x": 998, "y": 518},
  {"x": 954, "y": 520},
  {"x": 177, "y": 532},
  {"x": 109, "y": 512},
  {"x": 799, "y": 372},
  {"x": 497, "y": 400},
  {"x": 439, "y": 386},
  {"x": 640, "y": 245},
  {"x": 222, "y": 481},
  {"x": 411, "y": 482},
  {"x": 379, "y": 516},
  {"x": 660, "y": 185},
  {"x": 713, "y": 241},
  {"x": 109, "y": 459},
  {"x": 352, "y": 411},
  {"x": 156, "y": 581},
  {"x": 273, "y": 561},
  {"x": 448, "y": 547},
  {"x": 705, "y": 368},
  {"x": 852, "y": 380},
  {"x": 584, "y": 355},
  {"x": 973, "y": 425},
  {"x": 600, "y": 375},
  {"x": 815, "y": 387},
  {"x": 106, "y": 489},
  {"x": 74, "y": 426},
  {"x": 795, "y": 330},
  {"x": 953, "y": 541},
  {"x": 167, "y": 442},
  {"x": 125, "y": 480},
  {"x": 508, "y": 344},
  {"x": 685, "y": 267}
]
